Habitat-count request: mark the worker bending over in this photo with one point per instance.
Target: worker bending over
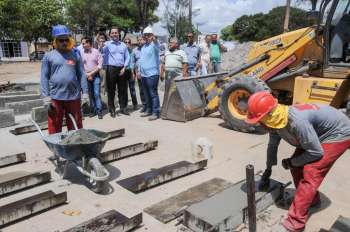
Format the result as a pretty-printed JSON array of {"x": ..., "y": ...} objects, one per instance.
[{"x": 320, "y": 133}]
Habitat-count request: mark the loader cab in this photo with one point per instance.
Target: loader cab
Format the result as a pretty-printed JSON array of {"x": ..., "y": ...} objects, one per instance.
[{"x": 336, "y": 34}]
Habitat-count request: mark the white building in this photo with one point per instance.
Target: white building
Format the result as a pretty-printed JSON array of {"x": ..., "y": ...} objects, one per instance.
[{"x": 13, "y": 50}]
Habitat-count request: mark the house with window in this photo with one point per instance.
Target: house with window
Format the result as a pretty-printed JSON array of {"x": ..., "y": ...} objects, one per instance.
[{"x": 13, "y": 50}]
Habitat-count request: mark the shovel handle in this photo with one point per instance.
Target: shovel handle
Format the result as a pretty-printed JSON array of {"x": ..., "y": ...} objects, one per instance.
[
  {"x": 38, "y": 128},
  {"x": 73, "y": 121}
]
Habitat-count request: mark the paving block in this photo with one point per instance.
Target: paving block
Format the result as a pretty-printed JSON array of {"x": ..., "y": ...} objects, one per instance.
[
  {"x": 116, "y": 133},
  {"x": 342, "y": 224},
  {"x": 109, "y": 221},
  {"x": 226, "y": 210},
  {"x": 17, "y": 98},
  {"x": 173, "y": 207},
  {"x": 39, "y": 114},
  {"x": 161, "y": 175},
  {"x": 12, "y": 159},
  {"x": 23, "y": 208},
  {"x": 15, "y": 181},
  {"x": 10, "y": 93},
  {"x": 127, "y": 151},
  {"x": 24, "y": 107},
  {"x": 7, "y": 118}
]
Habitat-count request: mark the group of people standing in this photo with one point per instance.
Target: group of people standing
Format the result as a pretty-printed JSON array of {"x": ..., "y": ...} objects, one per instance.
[{"x": 74, "y": 75}]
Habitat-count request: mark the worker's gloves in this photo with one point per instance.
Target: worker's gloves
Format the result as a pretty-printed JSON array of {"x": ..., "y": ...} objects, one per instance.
[
  {"x": 47, "y": 101},
  {"x": 264, "y": 182},
  {"x": 287, "y": 163},
  {"x": 84, "y": 99}
]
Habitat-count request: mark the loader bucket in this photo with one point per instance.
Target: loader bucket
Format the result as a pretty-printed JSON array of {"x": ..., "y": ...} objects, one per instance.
[{"x": 186, "y": 99}]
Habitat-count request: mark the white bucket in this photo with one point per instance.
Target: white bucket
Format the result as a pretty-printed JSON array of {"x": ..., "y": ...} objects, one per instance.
[{"x": 202, "y": 148}]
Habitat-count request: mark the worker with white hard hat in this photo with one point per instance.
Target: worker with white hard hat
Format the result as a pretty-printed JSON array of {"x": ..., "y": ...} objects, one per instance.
[{"x": 149, "y": 68}]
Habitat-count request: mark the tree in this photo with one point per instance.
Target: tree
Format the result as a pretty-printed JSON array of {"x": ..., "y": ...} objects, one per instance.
[
  {"x": 261, "y": 26},
  {"x": 127, "y": 15},
  {"x": 29, "y": 19},
  {"x": 176, "y": 20}
]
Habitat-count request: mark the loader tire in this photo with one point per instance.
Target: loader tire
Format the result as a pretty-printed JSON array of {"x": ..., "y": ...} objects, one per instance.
[{"x": 234, "y": 100}]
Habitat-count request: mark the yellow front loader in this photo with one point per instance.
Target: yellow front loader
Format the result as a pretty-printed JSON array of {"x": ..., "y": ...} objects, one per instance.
[{"x": 297, "y": 67}]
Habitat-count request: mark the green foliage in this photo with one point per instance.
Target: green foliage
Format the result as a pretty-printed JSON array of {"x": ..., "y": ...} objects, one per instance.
[
  {"x": 29, "y": 19},
  {"x": 128, "y": 15},
  {"x": 227, "y": 34},
  {"x": 261, "y": 26}
]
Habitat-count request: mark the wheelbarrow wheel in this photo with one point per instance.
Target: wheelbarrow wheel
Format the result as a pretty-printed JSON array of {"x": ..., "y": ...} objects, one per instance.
[{"x": 96, "y": 169}]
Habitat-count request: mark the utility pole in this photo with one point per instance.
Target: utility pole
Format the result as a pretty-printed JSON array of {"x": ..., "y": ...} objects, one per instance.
[
  {"x": 190, "y": 13},
  {"x": 286, "y": 19}
]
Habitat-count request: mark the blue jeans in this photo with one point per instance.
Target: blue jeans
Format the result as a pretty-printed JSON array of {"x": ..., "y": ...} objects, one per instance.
[
  {"x": 150, "y": 89},
  {"x": 94, "y": 94},
  {"x": 192, "y": 71}
]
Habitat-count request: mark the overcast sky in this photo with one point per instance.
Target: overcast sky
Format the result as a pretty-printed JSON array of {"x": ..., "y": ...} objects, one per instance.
[{"x": 216, "y": 14}]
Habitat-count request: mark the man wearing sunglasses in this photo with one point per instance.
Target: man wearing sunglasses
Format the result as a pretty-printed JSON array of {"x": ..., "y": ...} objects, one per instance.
[
  {"x": 63, "y": 82},
  {"x": 320, "y": 133}
]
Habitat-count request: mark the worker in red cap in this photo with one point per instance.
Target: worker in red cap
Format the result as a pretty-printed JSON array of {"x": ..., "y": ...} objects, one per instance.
[
  {"x": 320, "y": 133},
  {"x": 63, "y": 82}
]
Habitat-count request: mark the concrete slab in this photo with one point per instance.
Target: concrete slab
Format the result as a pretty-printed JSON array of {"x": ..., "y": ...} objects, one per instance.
[
  {"x": 116, "y": 133},
  {"x": 109, "y": 221},
  {"x": 161, "y": 175},
  {"x": 173, "y": 207},
  {"x": 7, "y": 118},
  {"x": 228, "y": 209},
  {"x": 27, "y": 129},
  {"x": 11, "y": 93},
  {"x": 342, "y": 224},
  {"x": 16, "y": 98},
  {"x": 24, "y": 107},
  {"x": 12, "y": 159},
  {"x": 18, "y": 210},
  {"x": 14, "y": 181},
  {"x": 39, "y": 114},
  {"x": 127, "y": 151}
]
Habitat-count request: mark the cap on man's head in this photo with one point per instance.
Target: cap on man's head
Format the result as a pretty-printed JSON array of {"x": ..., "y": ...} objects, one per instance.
[
  {"x": 148, "y": 30},
  {"x": 60, "y": 30}
]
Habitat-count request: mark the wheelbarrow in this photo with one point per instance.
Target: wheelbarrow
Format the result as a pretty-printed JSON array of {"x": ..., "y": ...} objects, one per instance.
[{"x": 83, "y": 156}]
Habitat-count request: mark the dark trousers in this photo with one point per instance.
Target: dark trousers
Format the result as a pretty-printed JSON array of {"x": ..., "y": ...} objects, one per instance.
[
  {"x": 142, "y": 94},
  {"x": 150, "y": 89},
  {"x": 114, "y": 81},
  {"x": 131, "y": 84}
]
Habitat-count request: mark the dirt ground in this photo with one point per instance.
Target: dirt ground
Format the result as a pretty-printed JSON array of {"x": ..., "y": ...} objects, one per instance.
[{"x": 232, "y": 152}]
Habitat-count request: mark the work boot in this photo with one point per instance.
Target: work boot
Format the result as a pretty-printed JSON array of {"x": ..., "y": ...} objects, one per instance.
[
  {"x": 124, "y": 111},
  {"x": 145, "y": 114},
  {"x": 153, "y": 117}
]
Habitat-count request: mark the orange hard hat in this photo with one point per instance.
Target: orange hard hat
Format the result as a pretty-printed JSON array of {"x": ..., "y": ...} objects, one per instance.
[{"x": 259, "y": 105}]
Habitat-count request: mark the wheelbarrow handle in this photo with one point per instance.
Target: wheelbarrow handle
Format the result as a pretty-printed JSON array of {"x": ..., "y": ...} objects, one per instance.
[
  {"x": 38, "y": 128},
  {"x": 73, "y": 121}
]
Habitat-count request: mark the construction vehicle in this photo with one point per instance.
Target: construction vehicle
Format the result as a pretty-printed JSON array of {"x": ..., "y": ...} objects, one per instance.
[{"x": 297, "y": 67}]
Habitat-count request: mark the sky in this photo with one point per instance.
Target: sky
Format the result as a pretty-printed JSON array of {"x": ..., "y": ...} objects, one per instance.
[{"x": 216, "y": 14}]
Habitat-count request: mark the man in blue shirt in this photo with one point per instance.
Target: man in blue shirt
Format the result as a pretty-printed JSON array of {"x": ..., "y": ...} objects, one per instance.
[
  {"x": 129, "y": 75},
  {"x": 149, "y": 69},
  {"x": 63, "y": 81},
  {"x": 193, "y": 53},
  {"x": 116, "y": 59},
  {"x": 135, "y": 61}
]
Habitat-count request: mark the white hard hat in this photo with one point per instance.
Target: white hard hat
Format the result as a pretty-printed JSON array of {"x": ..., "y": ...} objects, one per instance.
[{"x": 148, "y": 30}]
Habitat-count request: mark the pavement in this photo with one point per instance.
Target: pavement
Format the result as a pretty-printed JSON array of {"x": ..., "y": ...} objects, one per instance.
[{"x": 232, "y": 152}]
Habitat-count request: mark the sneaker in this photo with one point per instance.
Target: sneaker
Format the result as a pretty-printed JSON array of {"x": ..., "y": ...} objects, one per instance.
[
  {"x": 100, "y": 115},
  {"x": 153, "y": 117},
  {"x": 143, "y": 110},
  {"x": 145, "y": 114},
  {"x": 92, "y": 114},
  {"x": 112, "y": 114}
]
